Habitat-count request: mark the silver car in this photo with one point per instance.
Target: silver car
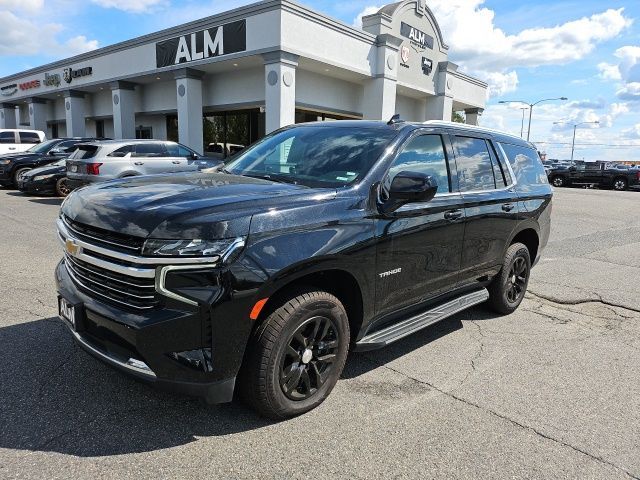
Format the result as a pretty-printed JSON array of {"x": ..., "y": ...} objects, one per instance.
[{"x": 107, "y": 160}]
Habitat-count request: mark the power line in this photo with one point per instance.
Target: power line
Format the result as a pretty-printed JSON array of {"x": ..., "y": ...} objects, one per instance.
[{"x": 622, "y": 145}]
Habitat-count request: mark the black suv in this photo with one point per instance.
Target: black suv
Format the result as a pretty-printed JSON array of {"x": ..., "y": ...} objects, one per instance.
[
  {"x": 13, "y": 165},
  {"x": 317, "y": 239}
]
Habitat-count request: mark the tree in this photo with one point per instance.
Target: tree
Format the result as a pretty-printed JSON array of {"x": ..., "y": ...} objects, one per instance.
[{"x": 458, "y": 117}]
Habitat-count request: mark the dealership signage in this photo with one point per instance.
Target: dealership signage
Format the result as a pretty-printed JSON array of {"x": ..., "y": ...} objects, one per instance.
[
  {"x": 52, "y": 80},
  {"x": 9, "y": 90},
  {"x": 212, "y": 42},
  {"x": 418, "y": 37},
  {"x": 69, "y": 73},
  {"x": 29, "y": 85}
]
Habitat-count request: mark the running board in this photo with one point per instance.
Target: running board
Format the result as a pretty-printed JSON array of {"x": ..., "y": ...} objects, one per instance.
[{"x": 392, "y": 333}]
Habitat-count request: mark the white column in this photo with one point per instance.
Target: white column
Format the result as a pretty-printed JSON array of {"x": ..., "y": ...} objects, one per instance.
[
  {"x": 379, "y": 99},
  {"x": 124, "y": 117},
  {"x": 472, "y": 115},
  {"x": 440, "y": 106},
  {"x": 75, "y": 114},
  {"x": 189, "y": 95},
  {"x": 279, "y": 89},
  {"x": 37, "y": 114},
  {"x": 7, "y": 115}
]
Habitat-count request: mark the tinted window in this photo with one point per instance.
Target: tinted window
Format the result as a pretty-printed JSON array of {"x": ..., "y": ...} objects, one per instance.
[
  {"x": 29, "y": 137},
  {"x": 7, "y": 137},
  {"x": 323, "y": 156},
  {"x": 84, "y": 151},
  {"x": 149, "y": 150},
  {"x": 526, "y": 164},
  {"x": 175, "y": 150},
  {"x": 424, "y": 154},
  {"x": 122, "y": 151},
  {"x": 216, "y": 148},
  {"x": 475, "y": 169}
]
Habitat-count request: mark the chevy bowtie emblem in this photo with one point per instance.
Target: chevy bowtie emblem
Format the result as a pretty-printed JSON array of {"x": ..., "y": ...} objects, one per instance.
[{"x": 72, "y": 247}]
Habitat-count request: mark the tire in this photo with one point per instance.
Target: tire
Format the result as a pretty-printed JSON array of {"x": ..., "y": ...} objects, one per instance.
[
  {"x": 558, "y": 181},
  {"x": 620, "y": 184},
  {"x": 62, "y": 187},
  {"x": 508, "y": 288},
  {"x": 281, "y": 378},
  {"x": 17, "y": 173}
]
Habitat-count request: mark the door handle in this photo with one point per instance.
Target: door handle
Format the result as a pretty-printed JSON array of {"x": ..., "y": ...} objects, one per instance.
[
  {"x": 452, "y": 214},
  {"x": 507, "y": 207},
  {"x": 12, "y": 148},
  {"x": 138, "y": 163},
  {"x": 177, "y": 162}
]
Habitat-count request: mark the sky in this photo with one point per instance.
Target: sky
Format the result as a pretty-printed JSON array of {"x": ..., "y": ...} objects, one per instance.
[{"x": 587, "y": 50}]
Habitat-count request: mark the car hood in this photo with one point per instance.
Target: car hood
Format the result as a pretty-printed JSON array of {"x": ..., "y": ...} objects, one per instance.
[
  {"x": 46, "y": 170},
  {"x": 203, "y": 205},
  {"x": 20, "y": 157}
]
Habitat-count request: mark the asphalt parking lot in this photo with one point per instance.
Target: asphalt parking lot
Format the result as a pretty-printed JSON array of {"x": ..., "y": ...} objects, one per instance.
[{"x": 551, "y": 391}]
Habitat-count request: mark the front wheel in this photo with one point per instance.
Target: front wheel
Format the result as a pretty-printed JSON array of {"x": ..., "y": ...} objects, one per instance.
[
  {"x": 296, "y": 356},
  {"x": 17, "y": 174},
  {"x": 558, "y": 181},
  {"x": 62, "y": 187},
  {"x": 507, "y": 289},
  {"x": 619, "y": 184}
]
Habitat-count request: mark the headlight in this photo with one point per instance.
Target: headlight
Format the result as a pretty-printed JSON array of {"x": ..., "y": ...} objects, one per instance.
[
  {"x": 5, "y": 162},
  {"x": 191, "y": 248},
  {"x": 42, "y": 177}
]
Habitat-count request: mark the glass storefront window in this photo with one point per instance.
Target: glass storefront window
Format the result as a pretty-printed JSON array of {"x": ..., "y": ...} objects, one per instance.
[{"x": 227, "y": 133}]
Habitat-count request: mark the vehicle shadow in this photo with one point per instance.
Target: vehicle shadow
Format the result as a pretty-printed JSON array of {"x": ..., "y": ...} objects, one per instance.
[
  {"x": 57, "y": 398},
  {"x": 47, "y": 201}
]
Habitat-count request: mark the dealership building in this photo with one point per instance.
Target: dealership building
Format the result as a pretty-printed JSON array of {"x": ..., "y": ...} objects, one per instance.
[{"x": 229, "y": 79}]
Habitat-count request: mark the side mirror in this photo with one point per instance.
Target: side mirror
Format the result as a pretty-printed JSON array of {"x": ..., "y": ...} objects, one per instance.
[
  {"x": 195, "y": 156},
  {"x": 410, "y": 187},
  {"x": 55, "y": 152}
]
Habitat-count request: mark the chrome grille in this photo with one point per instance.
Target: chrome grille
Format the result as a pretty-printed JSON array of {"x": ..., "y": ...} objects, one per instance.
[
  {"x": 131, "y": 292},
  {"x": 99, "y": 236}
]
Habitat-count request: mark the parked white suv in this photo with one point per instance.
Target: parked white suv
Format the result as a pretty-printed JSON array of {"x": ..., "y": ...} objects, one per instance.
[
  {"x": 108, "y": 160},
  {"x": 14, "y": 140}
]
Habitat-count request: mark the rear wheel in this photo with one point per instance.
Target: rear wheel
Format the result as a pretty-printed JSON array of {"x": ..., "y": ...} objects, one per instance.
[
  {"x": 17, "y": 174},
  {"x": 62, "y": 187},
  {"x": 507, "y": 289},
  {"x": 297, "y": 356},
  {"x": 619, "y": 184},
  {"x": 558, "y": 181}
]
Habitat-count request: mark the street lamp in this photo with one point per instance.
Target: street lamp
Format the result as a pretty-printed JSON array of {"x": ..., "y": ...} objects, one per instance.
[
  {"x": 575, "y": 126},
  {"x": 531, "y": 105},
  {"x": 524, "y": 109}
]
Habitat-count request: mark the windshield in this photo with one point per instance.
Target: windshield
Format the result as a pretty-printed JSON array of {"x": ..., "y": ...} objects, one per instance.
[
  {"x": 44, "y": 147},
  {"x": 324, "y": 156}
]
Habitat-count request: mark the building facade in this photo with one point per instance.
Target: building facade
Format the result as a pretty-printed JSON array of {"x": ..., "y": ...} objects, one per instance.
[{"x": 224, "y": 81}]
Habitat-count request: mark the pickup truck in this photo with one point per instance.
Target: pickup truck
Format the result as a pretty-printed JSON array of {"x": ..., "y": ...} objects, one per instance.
[{"x": 598, "y": 174}]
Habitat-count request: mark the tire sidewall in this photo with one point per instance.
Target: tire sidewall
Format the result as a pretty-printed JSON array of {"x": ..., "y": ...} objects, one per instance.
[
  {"x": 623, "y": 187},
  {"x": 560, "y": 180},
  {"x": 58, "y": 183},
  {"x": 308, "y": 309},
  {"x": 17, "y": 173},
  {"x": 516, "y": 251}
]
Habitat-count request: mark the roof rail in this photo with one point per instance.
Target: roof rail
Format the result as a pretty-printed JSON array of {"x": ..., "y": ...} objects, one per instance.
[{"x": 469, "y": 127}]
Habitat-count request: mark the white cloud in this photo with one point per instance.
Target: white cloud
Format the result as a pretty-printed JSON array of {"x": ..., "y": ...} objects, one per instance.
[
  {"x": 131, "y": 6},
  {"x": 609, "y": 71},
  {"x": 629, "y": 92},
  {"x": 25, "y": 37},
  {"x": 626, "y": 71},
  {"x": 500, "y": 83},
  {"x": 357, "y": 22},
  {"x": 22, "y": 6}
]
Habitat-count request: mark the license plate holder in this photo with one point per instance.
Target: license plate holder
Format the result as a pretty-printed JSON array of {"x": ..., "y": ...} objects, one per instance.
[{"x": 69, "y": 312}]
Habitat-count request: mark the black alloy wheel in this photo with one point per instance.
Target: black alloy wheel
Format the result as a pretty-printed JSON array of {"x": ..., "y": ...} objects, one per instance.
[
  {"x": 309, "y": 358},
  {"x": 508, "y": 287},
  {"x": 517, "y": 280},
  {"x": 558, "y": 181}
]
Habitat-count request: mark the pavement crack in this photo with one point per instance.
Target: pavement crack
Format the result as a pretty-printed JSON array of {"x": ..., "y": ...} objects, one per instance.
[
  {"x": 582, "y": 301},
  {"x": 478, "y": 354},
  {"x": 501, "y": 416}
]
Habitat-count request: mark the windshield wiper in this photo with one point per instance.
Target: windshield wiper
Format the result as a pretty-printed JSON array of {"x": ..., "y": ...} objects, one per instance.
[{"x": 274, "y": 177}]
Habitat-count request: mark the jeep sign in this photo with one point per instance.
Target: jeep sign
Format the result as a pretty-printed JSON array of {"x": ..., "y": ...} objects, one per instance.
[{"x": 212, "y": 42}]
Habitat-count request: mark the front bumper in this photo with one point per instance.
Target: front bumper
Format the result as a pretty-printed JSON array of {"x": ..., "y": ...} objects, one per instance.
[
  {"x": 140, "y": 344},
  {"x": 37, "y": 187},
  {"x": 5, "y": 175}
]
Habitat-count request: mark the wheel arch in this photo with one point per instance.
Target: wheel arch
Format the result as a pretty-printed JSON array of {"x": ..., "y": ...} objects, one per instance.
[{"x": 530, "y": 237}]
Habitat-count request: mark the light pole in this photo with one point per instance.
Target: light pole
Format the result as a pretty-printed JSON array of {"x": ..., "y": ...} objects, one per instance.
[
  {"x": 575, "y": 126},
  {"x": 531, "y": 105},
  {"x": 524, "y": 109}
]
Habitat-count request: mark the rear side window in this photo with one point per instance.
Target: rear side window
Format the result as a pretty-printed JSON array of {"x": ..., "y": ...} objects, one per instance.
[
  {"x": 149, "y": 150},
  {"x": 475, "y": 168},
  {"x": 121, "y": 152},
  {"x": 84, "y": 151},
  {"x": 526, "y": 164},
  {"x": 423, "y": 154},
  {"x": 29, "y": 137},
  {"x": 7, "y": 137}
]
